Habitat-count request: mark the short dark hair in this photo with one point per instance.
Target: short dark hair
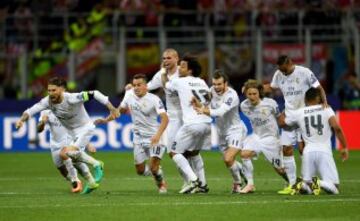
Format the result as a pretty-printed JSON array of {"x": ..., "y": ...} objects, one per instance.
[
  {"x": 282, "y": 59},
  {"x": 60, "y": 82},
  {"x": 140, "y": 76},
  {"x": 312, "y": 94},
  {"x": 220, "y": 74},
  {"x": 251, "y": 83},
  {"x": 193, "y": 65}
]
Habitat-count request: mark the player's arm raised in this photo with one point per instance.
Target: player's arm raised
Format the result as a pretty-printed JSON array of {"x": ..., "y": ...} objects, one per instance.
[
  {"x": 323, "y": 96},
  {"x": 340, "y": 135}
]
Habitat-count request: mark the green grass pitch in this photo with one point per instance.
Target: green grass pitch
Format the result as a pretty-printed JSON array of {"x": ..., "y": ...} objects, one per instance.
[{"x": 32, "y": 189}]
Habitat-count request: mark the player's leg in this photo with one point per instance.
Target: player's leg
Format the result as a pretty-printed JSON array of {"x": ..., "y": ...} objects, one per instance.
[
  {"x": 250, "y": 143},
  {"x": 203, "y": 141},
  {"x": 156, "y": 154},
  {"x": 288, "y": 138},
  {"x": 184, "y": 140},
  {"x": 72, "y": 172},
  {"x": 173, "y": 127},
  {"x": 328, "y": 173},
  {"x": 84, "y": 170},
  {"x": 140, "y": 157},
  {"x": 308, "y": 170}
]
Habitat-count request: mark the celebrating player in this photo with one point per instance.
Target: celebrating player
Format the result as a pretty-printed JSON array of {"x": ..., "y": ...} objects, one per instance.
[
  {"x": 293, "y": 81},
  {"x": 231, "y": 130},
  {"x": 263, "y": 114},
  {"x": 69, "y": 109},
  {"x": 315, "y": 124},
  {"x": 145, "y": 108}
]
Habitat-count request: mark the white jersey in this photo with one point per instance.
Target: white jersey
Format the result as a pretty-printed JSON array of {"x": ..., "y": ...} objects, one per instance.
[
  {"x": 262, "y": 117},
  {"x": 144, "y": 112},
  {"x": 172, "y": 97},
  {"x": 189, "y": 87},
  {"x": 294, "y": 86},
  {"x": 315, "y": 128},
  {"x": 225, "y": 108},
  {"x": 71, "y": 111},
  {"x": 58, "y": 134}
]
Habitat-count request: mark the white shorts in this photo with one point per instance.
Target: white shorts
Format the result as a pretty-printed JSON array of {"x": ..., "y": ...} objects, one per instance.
[
  {"x": 192, "y": 137},
  {"x": 290, "y": 137},
  {"x": 319, "y": 163},
  {"x": 81, "y": 136},
  {"x": 272, "y": 150},
  {"x": 235, "y": 139},
  {"x": 172, "y": 128},
  {"x": 143, "y": 150}
]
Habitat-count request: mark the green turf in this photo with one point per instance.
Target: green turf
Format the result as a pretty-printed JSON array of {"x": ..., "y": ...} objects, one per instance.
[{"x": 32, "y": 189}]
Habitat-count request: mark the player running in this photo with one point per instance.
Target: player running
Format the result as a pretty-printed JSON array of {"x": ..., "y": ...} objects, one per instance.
[
  {"x": 263, "y": 114},
  {"x": 145, "y": 107},
  {"x": 231, "y": 131},
  {"x": 58, "y": 139},
  {"x": 69, "y": 109}
]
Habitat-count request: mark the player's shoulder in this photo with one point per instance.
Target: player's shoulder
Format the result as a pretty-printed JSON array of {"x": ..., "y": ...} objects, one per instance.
[
  {"x": 231, "y": 93},
  {"x": 245, "y": 104},
  {"x": 302, "y": 69},
  {"x": 269, "y": 101},
  {"x": 152, "y": 96}
]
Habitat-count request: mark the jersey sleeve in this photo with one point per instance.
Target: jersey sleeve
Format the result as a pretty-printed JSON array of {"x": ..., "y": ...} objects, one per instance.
[
  {"x": 275, "y": 108},
  {"x": 230, "y": 101},
  {"x": 274, "y": 82},
  {"x": 88, "y": 95},
  {"x": 311, "y": 79},
  {"x": 43, "y": 104},
  {"x": 159, "y": 105},
  {"x": 155, "y": 82},
  {"x": 124, "y": 102},
  {"x": 329, "y": 112}
]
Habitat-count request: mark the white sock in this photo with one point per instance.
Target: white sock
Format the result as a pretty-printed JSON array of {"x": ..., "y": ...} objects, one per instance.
[
  {"x": 235, "y": 173},
  {"x": 198, "y": 167},
  {"x": 85, "y": 172},
  {"x": 184, "y": 165},
  {"x": 248, "y": 171},
  {"x": 329, "y": 187},
  {"x": 147, "y": 171},
  {"x": 159, "y": 177},
  {"x": 305, "y": 187},
  {"x": 84, "y": 157},
  {"x": 183, "y": 175},
  {"x": 72, "y": 172},
  {"x": 290, "y": 169}
]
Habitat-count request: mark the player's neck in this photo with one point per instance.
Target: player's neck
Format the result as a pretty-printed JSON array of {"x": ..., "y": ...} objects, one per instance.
[{"x": 172, "y": 70}]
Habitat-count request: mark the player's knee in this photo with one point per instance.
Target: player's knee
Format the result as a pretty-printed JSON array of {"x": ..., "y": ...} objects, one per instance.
[
  {"x": 288, "y": 150},
  {"x": 229, "y": 160},
  {"x": 140, "y": 169},
  {"x": 63, "y": 154},
  {"x": 154, "y": 168}
]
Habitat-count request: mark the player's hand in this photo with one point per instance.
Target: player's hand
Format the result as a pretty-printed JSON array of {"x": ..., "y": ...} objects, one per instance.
[
  {"x": 19, "y": 124},
  {"x": 114, "y": 113},
  {"x": 100, "y": 121},
  {"x": 45, "y": 118},
  {"x": 128, "y": 87},
  {"x": 91, "y": 148},
  {"x": 195, "y": 102},
  {"x": 344, "y": 154},
  {"x": 155, "y": 140}
]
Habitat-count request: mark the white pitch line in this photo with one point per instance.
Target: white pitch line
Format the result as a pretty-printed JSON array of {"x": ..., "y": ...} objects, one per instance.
[{"x": 167, "y": 204}]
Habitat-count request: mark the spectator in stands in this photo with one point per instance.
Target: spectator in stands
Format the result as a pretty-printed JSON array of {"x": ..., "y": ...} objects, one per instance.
[{"x": 350, "y": 91}]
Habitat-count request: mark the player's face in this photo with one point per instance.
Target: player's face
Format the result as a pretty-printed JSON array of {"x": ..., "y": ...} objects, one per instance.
[
  {"x": 219, "y": 85},
  {"x": 55, "y": 93},
  {"x": 140, "y": 87},
  {"x": 183, "y": 69},
  {"x": 170, "y": 60},
  {"x": 286, "y": 68},
  {"x": 253, "y": 95}
]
